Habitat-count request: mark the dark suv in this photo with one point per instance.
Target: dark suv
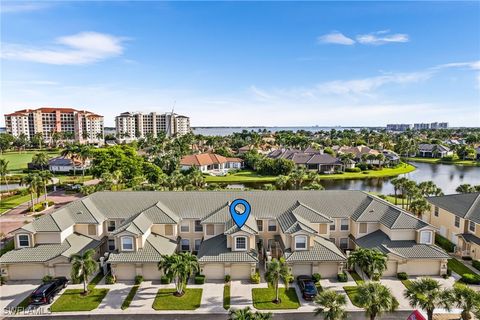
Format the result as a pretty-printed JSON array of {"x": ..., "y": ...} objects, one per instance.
[
  {"x": 44, "y": 293},
  {"x": 307, "y": 287}
]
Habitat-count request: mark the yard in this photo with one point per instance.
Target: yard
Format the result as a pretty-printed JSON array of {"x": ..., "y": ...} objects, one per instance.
[
  {"x": 458, "y": 267},
  {"x": 262, "y": 299},
  {"x": 14, "y": 201},
  {"x": 74, "y": 300},
  {"x": 165, "y": 300},
  {"x": 226, "y": 297},
  {"x": 18, "y": 160},
  {"x": 352, "y": 292}
]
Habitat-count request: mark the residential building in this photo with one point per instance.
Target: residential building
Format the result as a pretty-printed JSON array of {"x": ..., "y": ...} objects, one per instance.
[
  {"x": 134, "y": 125},
  {"x": 211, "y": 163},
  {"x": 399, "y": 127},
  {"x": 313, "y": 230},
  {"x": 439, "y": 125},
  {"x": 457, "y": 216},
  {"x": 421, "y": 126},
  {"x": 310, "y": 159},
  {"x": 63, "y": 164},
  {"x": 81, "y": 126},
  {"x": 427, "y": 150}
]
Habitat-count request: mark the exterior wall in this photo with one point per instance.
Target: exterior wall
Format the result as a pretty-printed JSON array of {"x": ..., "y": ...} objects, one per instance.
[
  {"x": 30, "y": 235},
  {"x": 191, "y": 235},
  {"x": 338, "y": 234},
  {"x": 47, "y": 237},
  {"x": 266, "y": 235},
  {"x": 445, "y": 222},
  {"x": 250, "y": 240},
  {"x": 399, "y": 234},
  {"x": 217, "y": 229},
  {"x": 65, "y": 233}
]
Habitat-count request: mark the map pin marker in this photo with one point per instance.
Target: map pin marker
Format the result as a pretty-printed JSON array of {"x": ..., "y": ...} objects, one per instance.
[{"x": 239, "y": 214}]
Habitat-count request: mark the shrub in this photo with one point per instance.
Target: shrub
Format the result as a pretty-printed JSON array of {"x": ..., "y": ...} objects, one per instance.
[
  {"x": 402, "y": 276},
  {"x": 355, "y": 169},
  {"x": 7, "y": 246},
  {"x": 316, "y": 277},
  {"x": 47, "y": 279},
  {"x": 376, "y": 277},
  {"x": 342, "y": 277},
  {"x": 476, "y": 264},
  {"x": 362, "y": 166},
  {"x": 110, "y": 279},
  {"x": 3, "y": 280},
  {"x": 444, "y": 243},
  {"x": 200, "y": 279},
  {"x": 165, "y": 280},
  {"x": 467, "y": 258},
  {"x": 138, "y": 279},
  {"x": 444, "y": 276},
  {"x": 469, "y": 278},
  {"x": 227, "y": 278},
  {"x": 255, "y": 278},
  {"x": 449, "y": 272}
]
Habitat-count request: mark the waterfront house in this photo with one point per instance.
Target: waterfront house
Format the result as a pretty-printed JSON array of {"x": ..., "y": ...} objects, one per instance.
[
  {"x": 310, "y": 159},
  {"x": 211, "y": 163},
  {"x": 313, "y": 230},
  {"x": 427, "y": 150}
]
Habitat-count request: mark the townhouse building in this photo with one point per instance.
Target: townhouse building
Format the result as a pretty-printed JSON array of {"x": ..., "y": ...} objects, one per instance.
[
  {"x": 133, "y": 125},
  {"x": 313, "y": 230}
]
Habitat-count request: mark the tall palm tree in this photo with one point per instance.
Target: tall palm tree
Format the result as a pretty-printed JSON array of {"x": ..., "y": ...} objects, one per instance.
[
  {"x": 427, "y": 294},
  {"x": 277, "y": 270},
  {"x": 465, "y": 298},
  {"x": 196, "y": 178},
  {"x": 395, "y": 182},
  {"x": 83, "y": 266},
  {"x": 282, "y": 182},
  {"x": 371, "y": 261},
  {"x": 419, "y": 206},
  {"x": 375, "y": 298},
  {"x": 331, "y": 305},
  {"x": 297, "y": 177},
  {"x": 46, "y": 177},
  {"x": 72, "y": 151},
  {"x": 40, "y": 159},
  {"x": 33, "y": 181},
  {"x": 4, "y": 171},
  {"x": 179, "y": 266},
  {"x": 84, "y": 153}
]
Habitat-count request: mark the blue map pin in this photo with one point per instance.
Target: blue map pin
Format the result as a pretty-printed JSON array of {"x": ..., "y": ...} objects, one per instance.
[{"x": 240, "y": 215}]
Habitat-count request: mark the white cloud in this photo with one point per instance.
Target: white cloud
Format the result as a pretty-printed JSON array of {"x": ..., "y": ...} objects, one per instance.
[
  {"x": 14, "y": 7},
  {"x": 80, "y": 48},
  {"x": 336, "y": 38},
  {"x": 260, "y": 94},
  {"x": 382, "y": 37},
  {"x": 474, "y": 65}
]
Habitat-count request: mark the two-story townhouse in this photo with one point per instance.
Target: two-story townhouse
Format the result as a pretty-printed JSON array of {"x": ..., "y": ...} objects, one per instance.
[
  {"x": 458, "y": 218},
  {"x": 313, "y": 230}
]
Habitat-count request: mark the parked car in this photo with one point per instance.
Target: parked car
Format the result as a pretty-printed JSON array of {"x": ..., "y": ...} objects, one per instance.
[
  {"x": 45, "y": 293},
  {"x": 307, "y": 287}
]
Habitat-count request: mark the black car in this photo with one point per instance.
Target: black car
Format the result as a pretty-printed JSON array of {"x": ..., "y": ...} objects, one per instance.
[
  {"x": 307, "y": 287},
  {"x": 44, "y": 293}
]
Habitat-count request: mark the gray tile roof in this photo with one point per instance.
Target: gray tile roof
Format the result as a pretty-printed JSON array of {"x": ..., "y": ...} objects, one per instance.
[
  {"x": 464, "y": 205},
  {"x": 215, "y": 250},
  {"x": 309, "y": 214},
  {"x": 155, "y": 246},
  {"x": 408, "y": 249},
  {"x": 291, "y": 223},
  {"x": 323, "y": 250},
  {"x": 470, "y": 238},
  {"x": 427, "y": 147}
]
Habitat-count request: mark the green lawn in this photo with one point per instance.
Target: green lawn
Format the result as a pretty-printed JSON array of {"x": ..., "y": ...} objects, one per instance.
[
  {"x": 242, "y": 176},
  {"x": 73, "y": 300},
  {"x": 95, "y": 280},
  {"x": 455, "y": 162},
  {"x": 262, "y": 299},
  {"x": 352, "y": 292},
  {"x": 458, "y": 267},
  {"x": 130, "y": 296},
  {"x": 226, "y": 297},
  {"x": 13, "y": 201},
  {"x": 357, "y": 278},
  {"x": 23, "y": 305},
  {"x": 407, "y": 283},
  {"x": 165, "y": 300},
  {"x": 18, "y": 160}
]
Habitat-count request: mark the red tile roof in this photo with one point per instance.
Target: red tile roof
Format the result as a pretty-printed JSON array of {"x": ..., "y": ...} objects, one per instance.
[{"x": 205, "y": 159}]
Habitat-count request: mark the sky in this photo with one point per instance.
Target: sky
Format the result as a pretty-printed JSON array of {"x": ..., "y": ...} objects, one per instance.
[{"x": 246, "y": 63}]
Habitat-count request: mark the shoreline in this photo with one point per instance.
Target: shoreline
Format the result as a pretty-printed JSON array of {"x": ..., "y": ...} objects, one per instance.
[{"x": 465, "y": 163}]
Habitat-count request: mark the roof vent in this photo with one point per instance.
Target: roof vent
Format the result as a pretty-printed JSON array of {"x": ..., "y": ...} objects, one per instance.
[
  {"x": 79, "y": 212},
  {"x": 372, "y": 210}
]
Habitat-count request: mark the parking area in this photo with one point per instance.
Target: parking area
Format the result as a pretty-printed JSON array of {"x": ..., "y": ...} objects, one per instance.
[{"x": 15, "y": 291}]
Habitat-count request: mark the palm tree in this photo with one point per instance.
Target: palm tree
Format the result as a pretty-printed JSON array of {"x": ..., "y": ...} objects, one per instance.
[
  {"x": 297, "y": 177},
  {"x": 33, "y": 181},
  {"x": 375, "y": 298},
  {"x": 262, "y": 316},
  {"x": 196, "y": 178},
  {"x": 240, "y": 314},
  {"x": 278, "y": 269},
  {"x": 71, "y": 151},
  {"x": 40, "y": 159},
  {"x": 427, "y": 294},
  {"x": 331, "y": 305},
  {"x": 46, "y": 177},
  {"x": 396, "y": 184},
  {"x": 179, "y": 266},
  {"x": 4, "y": 171},
  {"x": 428, "y": 188},
  {"x": 419, "y": 206},
  {"x": 371, "y": 261},
  {"x": 85, "y": 152},
  {"x": 464, "y": 188},
  {"x": 282, "y": 182},
  {"x": 83, "y": 266},
  {"x": 465, "y": 298}
]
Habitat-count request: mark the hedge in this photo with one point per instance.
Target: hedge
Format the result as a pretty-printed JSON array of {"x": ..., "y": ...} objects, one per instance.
[
  {"x": 476, "y": 264},
  {"x": 444, "y": 243}
]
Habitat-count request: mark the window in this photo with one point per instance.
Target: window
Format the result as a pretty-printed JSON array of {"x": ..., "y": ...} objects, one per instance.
[
  {"x": 111, "y": 225},
  {"x": 362, "y": 228},
  {"x": 457, "y": 221},
  {"x": 260, "y": 225},
  {"x": 426, "y": 237},
  {"x": 111, "y": 244},
  {"x": 300, "y": 242},
  {"x": 127, "y": 243},
  {"x": 436, "y": 211},
  {"x": 332, "y": 226},
  {"x": 185, "y": 245},
  {"x": 210, "y": 230},
  {"x": 240, "y": 243},
  {"x": 471, "y": 226},
  {"x": 168, "y": 230},
  {"x": 92, "y": 230},
  {"x": 23, "y": 240},
  {"x": 185, "y": 226},
  {"x": 197, "y": 244},
  {"x": 272, "y": 225},
  {"x": 344, "y": 225},
  {"x": 344, "y": 243},
  {"x": 198, "y": 226},
  {"x": 332, "y": 240}
]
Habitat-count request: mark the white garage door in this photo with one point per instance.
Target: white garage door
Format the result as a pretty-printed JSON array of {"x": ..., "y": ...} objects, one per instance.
[
  {"x": 328, "y": 270},
  {"x": 26, "y": 271},
  {"x": 214, "y": 271},
  {"x": 150, "y": 271},
  {"x": 302, "y": 269},
  {"x": 125, "y": 272},
  {"x": 423, "y": 267},
  {"x": 240, "y": 271},
  {"x": 391, "y": 269},
  {"x": 63, "y": 270}
]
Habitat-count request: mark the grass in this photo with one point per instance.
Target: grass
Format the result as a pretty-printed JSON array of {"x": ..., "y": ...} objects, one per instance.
[
  {"x": 95, "y": 280},
  {"x": 241, "y": 176},
  {"x": 73, "y": 179},
  {"x": 23, "y": 305},
  {"x": 407, "y": 283},
  {"x": 352, "y": 292},
  {"x": 130, "y": 296},
  {"x": 74, "y": 300},
  {"x": 436, "y": 160},
  {"x": 458, "y": 267},
  {"x": 262, "y": 299},
  {"x": 165, "y": 300},
  {"x": 18, "y": 160},
  {"x": 390, "y": 199},
  {"x": 226, "y": 297},
  {"x": 13, "y": 201},
  {"x": 357, "y": 277}
]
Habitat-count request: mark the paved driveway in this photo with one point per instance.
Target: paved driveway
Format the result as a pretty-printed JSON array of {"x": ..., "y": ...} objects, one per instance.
[
  {"x": 14, "y": 292},
  {"x": 397, "y": 288},
  {"x": 335, "y": 285},
  {"x": 115, "y": 296},
  {"x": 241, "y": 293}
]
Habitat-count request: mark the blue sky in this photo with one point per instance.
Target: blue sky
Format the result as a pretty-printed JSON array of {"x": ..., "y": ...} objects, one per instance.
[{"x": 250, "y": 63}]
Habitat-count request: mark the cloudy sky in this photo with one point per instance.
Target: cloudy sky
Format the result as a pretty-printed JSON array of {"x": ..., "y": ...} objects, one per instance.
[{"x": 231, "y": 63}]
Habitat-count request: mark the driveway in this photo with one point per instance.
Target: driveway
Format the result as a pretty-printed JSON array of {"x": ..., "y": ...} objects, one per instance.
[
  {"x": 335, "y": 285},
  {"x": 397, "y": 288},
  {"x": 241, "y": 293},
  {"x": 212, "y": 297},
  {"x": 12, "y": 293},
  {"x": 115, "y": 296}
]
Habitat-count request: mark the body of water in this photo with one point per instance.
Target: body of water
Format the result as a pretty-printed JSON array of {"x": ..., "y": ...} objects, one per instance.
[{"x": 225, "y": 131}]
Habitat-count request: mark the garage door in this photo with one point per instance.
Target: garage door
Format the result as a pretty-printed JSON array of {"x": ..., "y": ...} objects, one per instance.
[
  {"x": 328, "y": 270},
  {"x": 214, "y": 271},
  {"x": 63, "y": 270},
  {"x": 26, "y": 271},
  {"x": 302, "y": 269},
  {"x": 150, "y": 271},
  {"x": 240, "y": 271},
  {"x": 391, "y": 269},
  {"x": 423, "y": 267},
  {"x": 125, "y": 272}
]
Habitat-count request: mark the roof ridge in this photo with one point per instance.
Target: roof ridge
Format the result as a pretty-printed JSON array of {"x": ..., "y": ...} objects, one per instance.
[{"x": 474, "y": 203}]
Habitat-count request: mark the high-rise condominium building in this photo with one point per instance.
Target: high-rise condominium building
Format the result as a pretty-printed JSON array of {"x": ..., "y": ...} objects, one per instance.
[
  {"x": 398, "y": 127},
  {"x": 433, "y": 125},
  {"x": 134, "y": 125},
  {"x": 81, "y": 126}
]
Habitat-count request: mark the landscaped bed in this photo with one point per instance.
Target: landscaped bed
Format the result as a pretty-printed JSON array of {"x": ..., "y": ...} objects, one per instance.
[
  {"x": 458, "y": 267},
  {"x": 74, "y": 300},
  {"x": 262, "y": 299},
  {"x": 166, "y": 300},
  {"x": 130, "y": 296},
  {"x": 352, "y": 292},
  {"x": 226, "y": 297}
]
